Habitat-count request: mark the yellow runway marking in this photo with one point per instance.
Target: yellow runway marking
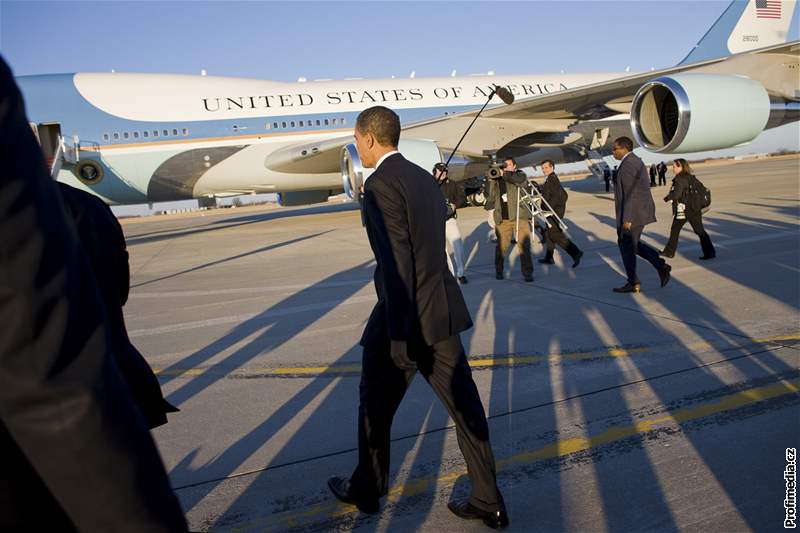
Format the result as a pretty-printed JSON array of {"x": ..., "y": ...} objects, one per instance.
[
  {"x": 476, "y": 363},
  {"x": 556, "y": 450}
]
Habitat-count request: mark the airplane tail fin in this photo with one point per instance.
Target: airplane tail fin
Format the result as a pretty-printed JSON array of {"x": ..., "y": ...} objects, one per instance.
[{"x": 745, "y": 25}]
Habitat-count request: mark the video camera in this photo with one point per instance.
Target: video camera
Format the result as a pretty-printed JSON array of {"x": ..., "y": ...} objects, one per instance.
[{"x": 495, "y": 170}]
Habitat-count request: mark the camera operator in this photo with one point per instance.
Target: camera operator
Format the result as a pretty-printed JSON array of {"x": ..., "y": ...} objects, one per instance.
[
  {"x": 454, "y": 194},
  {"x": 504, "y": 195},
  {"x": 555, "y": 195}
]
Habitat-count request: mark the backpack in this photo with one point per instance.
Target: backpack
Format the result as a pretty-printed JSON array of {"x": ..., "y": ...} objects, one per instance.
[{"x": 698, "y": 197}]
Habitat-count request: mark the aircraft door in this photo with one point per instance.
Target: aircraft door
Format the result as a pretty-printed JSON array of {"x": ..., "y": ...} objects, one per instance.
[{"x": 49, "y": 137}]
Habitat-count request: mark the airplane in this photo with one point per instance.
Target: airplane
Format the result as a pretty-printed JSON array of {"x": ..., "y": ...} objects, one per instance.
[{"x": 133, "y": 138}]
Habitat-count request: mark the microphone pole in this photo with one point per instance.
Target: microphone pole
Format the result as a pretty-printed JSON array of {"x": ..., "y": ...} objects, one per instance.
[{"x": 504, "y": 94}]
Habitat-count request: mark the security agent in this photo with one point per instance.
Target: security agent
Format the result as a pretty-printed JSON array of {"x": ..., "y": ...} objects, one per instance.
[
  {"x": 634, "y": 206},
  {"x": 454, "y": 196},
  {"x": 556, "y": 196},
  {"x": 504, "y": 195},
  {"x": 77, "y": 455}
]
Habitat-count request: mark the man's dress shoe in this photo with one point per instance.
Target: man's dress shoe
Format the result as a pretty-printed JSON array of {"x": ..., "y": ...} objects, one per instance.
[
  {"x": 663, "y": 274},
  {"x": 340, "y": 487},
  {"x": 467, "y": 511},
  {"x": 628, "y": 287}
]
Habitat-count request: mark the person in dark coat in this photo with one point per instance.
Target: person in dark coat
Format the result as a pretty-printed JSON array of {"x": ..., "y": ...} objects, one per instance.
[
  {"x": 682, "y": 212},
  {"x": 662, "y": 173},
  {"x": 414, "y": 326},
  {"x": 102, "y": 239},
  {"x": 77, "y": 454},
  {"x": 634, "y": 208},
  {"x": 555, "y": 195},
  {"x": 607, "y": 178},
  {"x": 653, "y": 175},
  {"x": 454, "y": 195}
]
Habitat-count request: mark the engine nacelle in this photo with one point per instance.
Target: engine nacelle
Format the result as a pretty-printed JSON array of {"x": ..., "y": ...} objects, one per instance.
[
  {"x": 698, "y": 112},
  {"x": 423, "y": 152}
]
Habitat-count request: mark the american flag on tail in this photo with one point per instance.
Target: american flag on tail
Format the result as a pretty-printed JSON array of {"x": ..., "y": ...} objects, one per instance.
[{"x": 768, "y": 9}]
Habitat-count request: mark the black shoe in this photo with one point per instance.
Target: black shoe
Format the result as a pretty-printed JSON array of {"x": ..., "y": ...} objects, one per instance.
[
  {"x": 576, "y": 260},
  {"x": 663, "y": 274},
  {"x": 547, "y": 261},
  {"x": 628, "y": 287},
  {"x": 340, "y": 487},
  {"x": 528, "y": 279},
  {"x": 707, "y": 257},
  {"x": 666, "y": 253},
  {"x": 498, "y": 276},
  {"x": 467, "y": 511},
  {"x": 462, "y": 280}
]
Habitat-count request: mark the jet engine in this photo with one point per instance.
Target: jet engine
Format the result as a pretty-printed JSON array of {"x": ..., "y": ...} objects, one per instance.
[
  {"x": 423, "y": 152},
  {"x": 697, "y": 112}
]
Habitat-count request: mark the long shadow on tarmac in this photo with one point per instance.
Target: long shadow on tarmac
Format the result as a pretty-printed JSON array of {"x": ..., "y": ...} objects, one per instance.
[{"x": 610, "y": 320}]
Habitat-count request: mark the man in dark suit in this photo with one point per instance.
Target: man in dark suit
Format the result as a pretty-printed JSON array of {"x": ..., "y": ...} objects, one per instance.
[
  {"x": 76, "y": 453},
  {"x": 414, "y": 326},
  {"x": 101, "y": 238},
  {"x": 634, "y": 209},
  {"x": 555, "y": 195}
]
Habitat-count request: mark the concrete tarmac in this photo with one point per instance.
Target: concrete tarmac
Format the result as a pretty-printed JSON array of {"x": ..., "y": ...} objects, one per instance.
[{"x": 667, "y": 410}]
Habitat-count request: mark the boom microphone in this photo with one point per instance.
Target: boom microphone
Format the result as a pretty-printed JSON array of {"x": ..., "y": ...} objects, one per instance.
[{"x": 507, "y": 98}]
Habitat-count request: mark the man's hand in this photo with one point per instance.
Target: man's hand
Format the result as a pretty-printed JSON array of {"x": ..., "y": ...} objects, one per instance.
[
  {"x": 399, "y": 353},
  {"x": 627, "y": 226}
]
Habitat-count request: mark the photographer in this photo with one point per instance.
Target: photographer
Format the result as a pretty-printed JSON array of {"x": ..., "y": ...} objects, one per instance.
[
  {"x": 504, "y": 195},
  {"x": 454, "y": 194},
  {"x": 683, "y": 211}
]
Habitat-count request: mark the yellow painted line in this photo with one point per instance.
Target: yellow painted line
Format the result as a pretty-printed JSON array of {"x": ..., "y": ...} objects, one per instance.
[
  {"x": 556, "y": 450},
  {"x": 483, "y": 362}
]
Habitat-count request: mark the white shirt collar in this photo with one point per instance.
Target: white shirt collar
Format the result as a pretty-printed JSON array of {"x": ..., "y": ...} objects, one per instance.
[{"x": 382, "y": 159}]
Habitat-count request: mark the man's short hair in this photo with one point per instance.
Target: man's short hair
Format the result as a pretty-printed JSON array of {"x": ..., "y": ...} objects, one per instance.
[
  {"x": 382, "y": 123},
  {"x": 509, "y": 158},
  {"x": 624, "y": 142},
  {"x": 549, "y": 162}
]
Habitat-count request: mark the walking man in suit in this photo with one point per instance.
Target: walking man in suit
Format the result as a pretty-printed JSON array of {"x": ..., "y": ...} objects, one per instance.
[
  {"x": 555, "y": 195},
  {"x": 634, "y": 209},
  {"x": 414, "y": 326}
]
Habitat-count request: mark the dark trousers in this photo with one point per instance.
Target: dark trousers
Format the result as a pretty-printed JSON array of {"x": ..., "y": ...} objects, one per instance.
[
  {"x": 630, "y": 246},
  {"x": 553, "y": 235},
  {"x": 505, "y": 232},
  {"x": 383, "y": 385},
  {"x": 696, "y": 221},
  {"x": 608, "y": 185},
  {"x": 662, "y": 179}
]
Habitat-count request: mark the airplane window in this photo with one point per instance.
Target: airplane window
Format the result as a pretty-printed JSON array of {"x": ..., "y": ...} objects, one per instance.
[
  {"x": 326, "y": 121},
  {"x": 145, "y": 134},
  {"x": 105, "y": 136},
  {"x": 292, "y": 123},
  {"x": 284, "y": 124},
  {"x": 165, "y": 132},
  {"x": 116, "y": 136},
  {"x": 185, "y": 131},
  {"x": 126, "y": 135},
  {"x": 344, "y": 121},
  {"x": 267, "y": 126},
  {"x": 155, "y": 133},
  {"x": 275, "y": 125},
  {"x": 135, "y": 134},
  {"x": 175, "y": 132},
  {"x": 301, "y": 123},
  {"x": 317, "y": 122}
]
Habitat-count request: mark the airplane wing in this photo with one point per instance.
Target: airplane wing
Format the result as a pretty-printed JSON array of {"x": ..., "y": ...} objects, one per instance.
[{"x": 775, "y": 67}]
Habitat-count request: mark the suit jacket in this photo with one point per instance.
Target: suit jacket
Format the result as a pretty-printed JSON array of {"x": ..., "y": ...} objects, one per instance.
[
  {"x": 632, "y": 197},
  {"x": 418, "y": 297},
  {"x": 554, "y": 193},
  {"x": 66, "y": 415},
  {"x": 102, "y": 240}
]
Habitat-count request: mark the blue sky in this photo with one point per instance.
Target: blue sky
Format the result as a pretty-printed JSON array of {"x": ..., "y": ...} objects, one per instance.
[{"x": 285, "y": 40}]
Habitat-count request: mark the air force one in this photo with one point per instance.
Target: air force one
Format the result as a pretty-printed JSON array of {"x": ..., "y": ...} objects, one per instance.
[{"x": 143, "y": 138}]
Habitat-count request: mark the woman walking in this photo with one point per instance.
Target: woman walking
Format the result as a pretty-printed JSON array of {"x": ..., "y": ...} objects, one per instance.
[{"x": 682, "y": 212}]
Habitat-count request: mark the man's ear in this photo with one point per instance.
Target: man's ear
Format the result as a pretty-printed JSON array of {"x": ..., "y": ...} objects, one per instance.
[{"x": 370, "y": 140}]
